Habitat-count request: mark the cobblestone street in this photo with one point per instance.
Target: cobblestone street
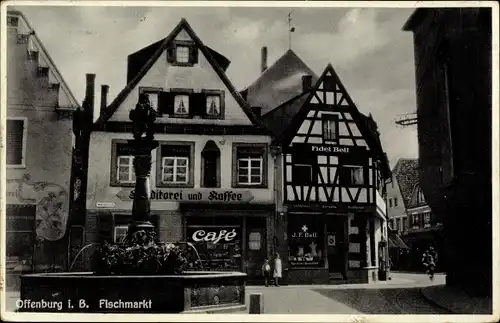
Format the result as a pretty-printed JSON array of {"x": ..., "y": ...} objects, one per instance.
[{"x": 401, "y": 295}]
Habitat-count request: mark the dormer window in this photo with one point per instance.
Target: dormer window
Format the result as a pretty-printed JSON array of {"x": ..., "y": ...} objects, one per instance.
[{"x": 182, "y": 53}]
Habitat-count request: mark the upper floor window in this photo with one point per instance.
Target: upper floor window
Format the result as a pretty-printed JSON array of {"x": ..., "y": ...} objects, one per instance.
[
  {"x": 210, "y": 165},
  {"x": 16, "y": 142},
  {"x": 398, "y": 224},
  {"x": 395, "y": 201},
  {"x": 405, "y": 224},
  {"x": 352, "y": 170},
  {"x": 184, "y": 103},
  {"x": 153, "y": 95},
  {"x": 250, "y": 166},
  {"x": 175, "y": 164},
  {"x": 330, "y": 127},
  {"x": 182, "y": 53},
  {"x": 427, "y": 219},
  {"x": 122, "y": 164},
  {"x": 415, "y": 221},
  {"x": 302, "y": 168},
  {"x": 181, "y": 104},
  {"x": 390, "y": 202}
]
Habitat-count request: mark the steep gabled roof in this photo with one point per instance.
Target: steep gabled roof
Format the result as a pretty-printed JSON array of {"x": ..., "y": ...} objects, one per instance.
[
  {"x": 279, "y": 119},
  {"x": 406, "y": 173},
  {"x": 154, "y": 52},
  {"x": 367, "y": 125},
  {"x": 279, "y": 83},
  {"x": 25, "y": 28}
]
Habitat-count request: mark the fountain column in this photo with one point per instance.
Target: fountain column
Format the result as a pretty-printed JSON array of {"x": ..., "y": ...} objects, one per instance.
[{"x": 142, "y": 117}]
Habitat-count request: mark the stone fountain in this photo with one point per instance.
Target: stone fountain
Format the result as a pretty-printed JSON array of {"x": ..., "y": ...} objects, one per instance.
[{"x": 121, "y": 290}]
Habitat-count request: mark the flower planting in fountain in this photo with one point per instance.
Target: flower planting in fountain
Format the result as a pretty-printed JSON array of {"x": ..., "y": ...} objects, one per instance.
[{"x": 142, "y": 254}]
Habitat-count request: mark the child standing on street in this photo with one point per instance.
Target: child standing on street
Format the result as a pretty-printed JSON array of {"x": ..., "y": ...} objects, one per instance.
[
  {"x": 266, "y": 272},
  {"x": 277, "y": 270}
]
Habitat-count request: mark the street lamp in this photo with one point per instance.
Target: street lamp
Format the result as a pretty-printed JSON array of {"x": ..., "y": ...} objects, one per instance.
[{"x": 143, "y": 118}]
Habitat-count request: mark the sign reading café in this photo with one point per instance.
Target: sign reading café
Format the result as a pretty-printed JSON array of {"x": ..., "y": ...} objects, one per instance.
[{"x": 192, "y": 195}]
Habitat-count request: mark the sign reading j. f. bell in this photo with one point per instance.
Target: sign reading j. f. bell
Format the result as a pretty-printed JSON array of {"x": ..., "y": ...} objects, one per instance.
[{"x": 192, "y": 195}]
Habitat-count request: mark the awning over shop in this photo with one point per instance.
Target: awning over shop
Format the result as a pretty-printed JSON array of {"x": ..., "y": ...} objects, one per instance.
[{"x": 395, "y": 241}]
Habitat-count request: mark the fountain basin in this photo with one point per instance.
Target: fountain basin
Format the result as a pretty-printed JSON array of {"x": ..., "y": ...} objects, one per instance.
[{"x": 191, "y": 292}]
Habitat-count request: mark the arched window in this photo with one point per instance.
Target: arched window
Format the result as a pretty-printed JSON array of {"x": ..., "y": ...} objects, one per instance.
[{"x": 210, "y": 169}]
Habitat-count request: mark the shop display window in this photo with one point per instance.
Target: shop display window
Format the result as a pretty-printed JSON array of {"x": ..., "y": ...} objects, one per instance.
[
  {"x": 306, "y": 241},
  {"x": 218, "y": 245}
]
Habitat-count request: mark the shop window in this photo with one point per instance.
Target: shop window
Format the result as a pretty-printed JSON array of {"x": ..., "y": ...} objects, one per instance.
[
  {"x": 20, "y": 237},
  {"x": 16, "y": 142},
  {"x": 122, "y": 164},
  {"x": 175, "y": 164},
  {"x": 250, "y": 168},
  {"x": 330, "y": 127},
  {"x": 210, "y": 165},
  {"x": 305, "y": 235},
  {"x": 217, "y": 242}
]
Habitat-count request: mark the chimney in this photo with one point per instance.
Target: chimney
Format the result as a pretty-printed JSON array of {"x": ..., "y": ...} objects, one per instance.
[
  {"x": 88, "y": 103},
  {"x": 306, "y": 83},
  {"x": 257, "y": 111},
  {"x": 263, "y": 59},
  {"x": 104, "y": 96}
]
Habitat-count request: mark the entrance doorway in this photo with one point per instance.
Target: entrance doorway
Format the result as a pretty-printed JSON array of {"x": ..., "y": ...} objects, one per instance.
[
  {"x": 338, "y": 245},
  {"x": 256, "y": 246}
]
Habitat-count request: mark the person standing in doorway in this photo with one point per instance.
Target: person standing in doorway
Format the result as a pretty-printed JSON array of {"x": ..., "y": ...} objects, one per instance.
[
  {"x": 277, "y": 270},
  {"x": 266, "y": 272}
]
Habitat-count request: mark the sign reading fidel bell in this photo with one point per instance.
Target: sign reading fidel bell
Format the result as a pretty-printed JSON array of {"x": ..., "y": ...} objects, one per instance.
[{"x": 192, "y": 195}]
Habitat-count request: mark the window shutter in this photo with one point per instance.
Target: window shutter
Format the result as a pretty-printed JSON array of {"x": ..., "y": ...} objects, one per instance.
[
  {"x": 171, "y": 53},
  {"x": 166, "y": 103},
  {"x": 193, "y": 54},
  {"x": 15, "y": 130},
  {"x": 105, "y": 225},
  {"x": 197, "y": 104}
]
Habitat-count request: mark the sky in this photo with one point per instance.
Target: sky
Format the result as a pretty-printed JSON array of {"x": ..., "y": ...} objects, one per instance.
[{"x": 366, "y": 46}]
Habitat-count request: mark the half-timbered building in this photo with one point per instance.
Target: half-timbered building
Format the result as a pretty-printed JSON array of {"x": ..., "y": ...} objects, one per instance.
[
  {"x": 334, "y": 172},
  {"x": 212, "y": 174}
]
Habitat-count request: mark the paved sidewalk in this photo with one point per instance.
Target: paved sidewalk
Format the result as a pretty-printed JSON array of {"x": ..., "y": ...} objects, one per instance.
[{"x": 457, "y": 301}]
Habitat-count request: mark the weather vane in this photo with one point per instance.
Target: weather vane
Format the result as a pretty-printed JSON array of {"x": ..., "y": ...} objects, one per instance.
[{"x": 290, "y": 30}]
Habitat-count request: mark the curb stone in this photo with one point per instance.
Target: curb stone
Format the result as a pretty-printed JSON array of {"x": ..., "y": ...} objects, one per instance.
[{"x": 434, "y": 303}]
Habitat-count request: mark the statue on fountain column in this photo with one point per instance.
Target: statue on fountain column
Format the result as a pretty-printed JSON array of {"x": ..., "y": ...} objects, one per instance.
[{"x": 143, "y": 118}]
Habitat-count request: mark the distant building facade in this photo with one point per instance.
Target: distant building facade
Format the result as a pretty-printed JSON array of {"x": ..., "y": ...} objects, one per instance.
[
  {"x": 332, "y": 175},
  {"x": 213, "y": 173},
  {"x": 404, "y": 178},
  {"x": 39, "y": 143},
  {"x": 454, "y": 80}
]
